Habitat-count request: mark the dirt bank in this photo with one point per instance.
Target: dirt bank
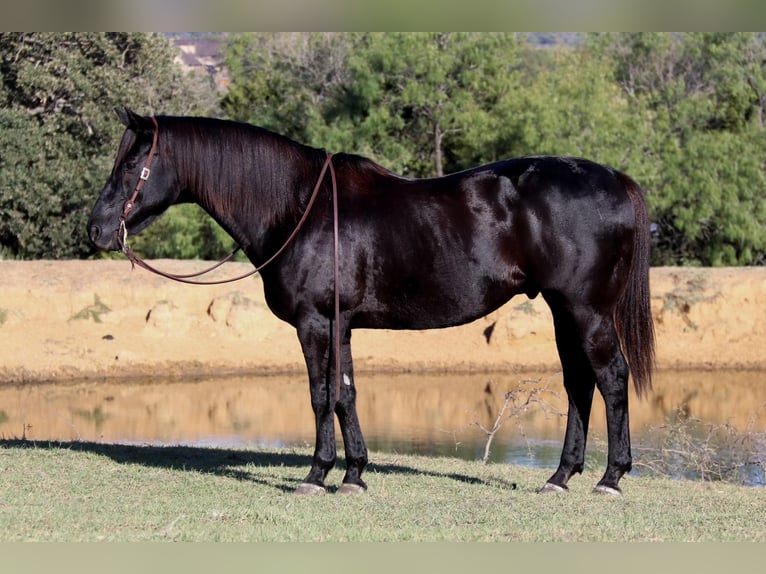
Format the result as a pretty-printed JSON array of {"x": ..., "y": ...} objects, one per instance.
[{"x": 88, "y": 319}]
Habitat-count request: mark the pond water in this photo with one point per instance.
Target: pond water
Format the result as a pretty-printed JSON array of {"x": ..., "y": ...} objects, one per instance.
[{"x": 436, "y": 415}]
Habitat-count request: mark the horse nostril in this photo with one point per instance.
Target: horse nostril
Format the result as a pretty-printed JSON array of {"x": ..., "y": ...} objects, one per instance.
[{"x": 95, "y": 233}]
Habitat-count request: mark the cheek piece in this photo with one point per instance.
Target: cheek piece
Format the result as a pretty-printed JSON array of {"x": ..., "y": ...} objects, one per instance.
[{"x": 122, "y": 235}]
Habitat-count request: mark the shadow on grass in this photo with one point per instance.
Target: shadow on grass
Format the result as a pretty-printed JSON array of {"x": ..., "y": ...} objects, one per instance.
[{"x": 230, "y": 463}]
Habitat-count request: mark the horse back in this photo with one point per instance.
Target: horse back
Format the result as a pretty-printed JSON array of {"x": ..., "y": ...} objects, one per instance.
[
  {"x": 432, "y": 253},
  {"x": 446, "y": 251}
]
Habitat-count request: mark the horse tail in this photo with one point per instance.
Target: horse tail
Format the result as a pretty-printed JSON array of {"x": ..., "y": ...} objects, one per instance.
[{"x": 633, "y": 316}]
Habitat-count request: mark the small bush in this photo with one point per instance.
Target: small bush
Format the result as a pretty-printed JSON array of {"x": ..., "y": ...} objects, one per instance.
[
  {"x": 686, "y": 447},
  {"x": 93, "y": 311}
]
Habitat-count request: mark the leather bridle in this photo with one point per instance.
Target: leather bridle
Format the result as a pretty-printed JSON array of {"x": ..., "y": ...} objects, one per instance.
[{"x": 145, "y": 171}]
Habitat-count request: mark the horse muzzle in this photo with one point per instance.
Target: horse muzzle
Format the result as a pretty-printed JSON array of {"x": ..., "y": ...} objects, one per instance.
[{"x": 103, "y": 239}]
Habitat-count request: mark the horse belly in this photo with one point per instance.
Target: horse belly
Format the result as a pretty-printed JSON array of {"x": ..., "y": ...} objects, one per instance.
[
  {"x": 445, "y": 260},
  {"x": 431, "y": 300}
]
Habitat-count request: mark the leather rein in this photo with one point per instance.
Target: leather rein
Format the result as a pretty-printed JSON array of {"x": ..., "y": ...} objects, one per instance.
[{"x": 122, "y": 239}]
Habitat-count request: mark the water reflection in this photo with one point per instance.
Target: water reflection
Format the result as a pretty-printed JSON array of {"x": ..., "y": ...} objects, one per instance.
[{"x": 405, "y": 413}]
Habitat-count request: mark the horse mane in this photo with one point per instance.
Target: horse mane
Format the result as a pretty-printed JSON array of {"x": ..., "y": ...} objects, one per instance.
[{"x": 232, "y": 167}]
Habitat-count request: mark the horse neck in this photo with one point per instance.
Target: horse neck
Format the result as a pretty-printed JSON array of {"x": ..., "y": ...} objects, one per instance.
[{"x": 254, "y": 183}]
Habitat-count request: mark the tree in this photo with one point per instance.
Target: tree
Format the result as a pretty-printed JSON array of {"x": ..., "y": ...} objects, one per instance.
[
  {"x": 681, "y": 113},
  {"x": 703, "y": 96},
  {"x": 415, "y": 102},
  {"x": 58, "y": 132},
  {"x": 286, "y": 82},
  {"x": 438, "y": 92},
  {"x": 569, "y": 105}
]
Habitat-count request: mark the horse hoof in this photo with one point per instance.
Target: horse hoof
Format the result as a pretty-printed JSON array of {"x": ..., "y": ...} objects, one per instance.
[
  {"x": 348, "y": 488},
  {"x": 309, "y": 489},
  {"x": 551, "y": 488},
  {"x": 607, "y": 490}
]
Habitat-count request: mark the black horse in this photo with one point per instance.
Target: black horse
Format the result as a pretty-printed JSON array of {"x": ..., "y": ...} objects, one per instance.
[{"x": 414, "y": 254}]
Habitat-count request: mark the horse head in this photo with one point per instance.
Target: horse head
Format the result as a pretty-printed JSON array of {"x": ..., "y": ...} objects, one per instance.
[{"x": 141, "y": 187}]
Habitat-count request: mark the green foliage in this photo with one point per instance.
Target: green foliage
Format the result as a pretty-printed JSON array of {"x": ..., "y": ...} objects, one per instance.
[
  {"x": 681, "y": 113},
  {"x": 286, "y": 81},
  {"x": 93, "y": 311},
  {"x": 703, "y": 96},
  {"x": 427, "y": 100},
  {"x": 418, "y": 103},
  {"x": 709, "y": 202},
  {"x": 570, "y": 106},
  {"x": 58, "y": 132},
  {"x": 183, "y": 232}
]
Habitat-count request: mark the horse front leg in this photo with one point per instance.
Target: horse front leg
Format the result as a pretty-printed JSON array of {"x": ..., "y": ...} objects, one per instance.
[
  {"x": 315, "y": 335},
  {"x": 353, "y": 441}
]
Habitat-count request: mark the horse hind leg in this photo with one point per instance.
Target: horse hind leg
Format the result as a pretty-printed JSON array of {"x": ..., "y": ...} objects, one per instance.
[
  {"x": 579, "y": 383},
  {"x": 591, "y": 355},
  {"x": 612, "y": 382}
]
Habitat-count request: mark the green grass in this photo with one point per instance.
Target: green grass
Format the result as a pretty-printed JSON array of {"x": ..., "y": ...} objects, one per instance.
[{"x": 93, "y": 492}]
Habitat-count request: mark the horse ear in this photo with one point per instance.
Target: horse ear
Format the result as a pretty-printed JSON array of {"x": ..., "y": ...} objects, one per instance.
[
  {"x": 133, "y": 121},
  {"x": 122, "y": 115}
]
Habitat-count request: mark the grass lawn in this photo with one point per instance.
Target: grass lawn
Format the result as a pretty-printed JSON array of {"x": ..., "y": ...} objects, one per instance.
[{"x": 101, "y": 492}]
